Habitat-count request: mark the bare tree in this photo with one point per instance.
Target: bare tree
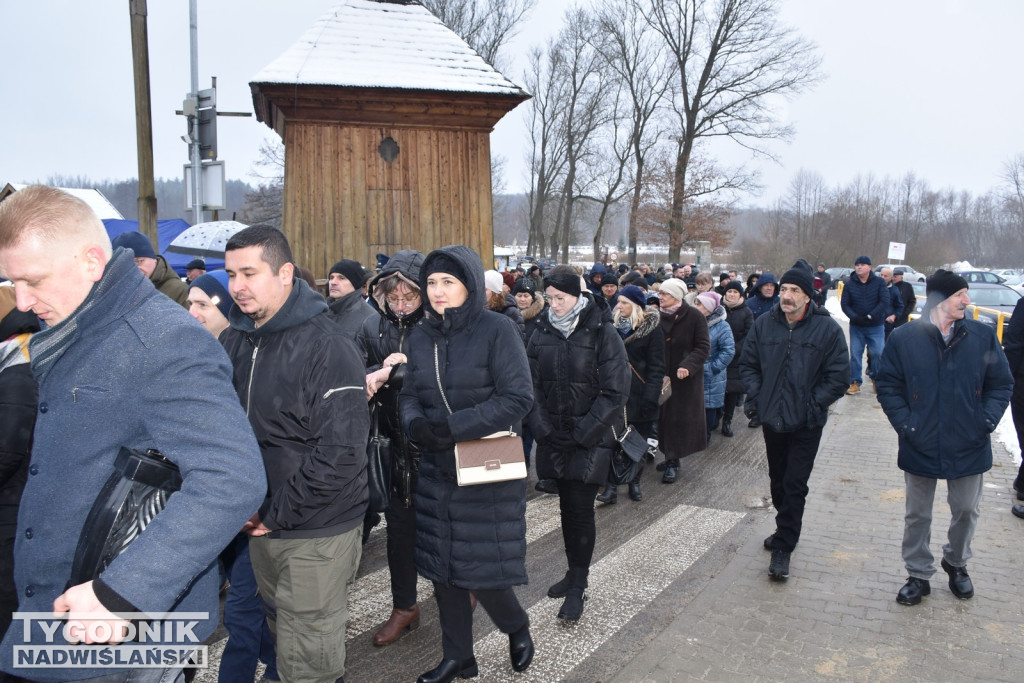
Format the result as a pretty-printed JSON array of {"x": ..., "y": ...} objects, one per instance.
[
  {"x": 636, "y": 56},
  {"x": 487, "y": 25},
  {"x": 547, "y": 144},
  {"x": 265, "y": 204},
  {"x": 730, "y": 58}
]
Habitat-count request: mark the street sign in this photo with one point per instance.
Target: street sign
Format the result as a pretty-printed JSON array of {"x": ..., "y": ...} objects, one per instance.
[
  {"x": 897, "y": 251},
  {"x": 214, "y": 190}
]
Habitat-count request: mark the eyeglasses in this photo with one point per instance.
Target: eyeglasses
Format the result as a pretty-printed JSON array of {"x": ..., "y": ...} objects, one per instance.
[
  {"x": 408, "y": 300},
  {"x": 560, "y": 298}
]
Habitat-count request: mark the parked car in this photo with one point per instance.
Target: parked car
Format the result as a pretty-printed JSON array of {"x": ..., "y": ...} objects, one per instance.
[
  {"x": 973, "y": 276},
  {"x": 1007, "y": 273},
  {"x": 988, "y": 295},
  {"x": 838, "y": 274},
  {"x": 909, "y": 274}
]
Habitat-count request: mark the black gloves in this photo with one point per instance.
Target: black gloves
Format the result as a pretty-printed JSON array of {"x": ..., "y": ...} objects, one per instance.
[
  {"x": 431, "y": 437},
  {"x": 562, "y": 441}
]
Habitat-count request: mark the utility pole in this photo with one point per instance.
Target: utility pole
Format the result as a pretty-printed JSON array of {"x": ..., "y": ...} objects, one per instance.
[
  {"x": 143, "y": 121},
  {"x": 197, "y": 168}
]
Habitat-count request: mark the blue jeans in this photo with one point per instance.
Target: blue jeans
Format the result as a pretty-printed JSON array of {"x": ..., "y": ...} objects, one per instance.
[
  {"x": 872, "y": 337},
  {"x": 249, "y": 637}
]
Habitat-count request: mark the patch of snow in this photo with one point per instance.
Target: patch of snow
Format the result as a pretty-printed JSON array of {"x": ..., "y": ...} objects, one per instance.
[
  {"x": 362, "y": 43},
  {"x": 1006, "y": 434},
  {"x": 835, "y": 308}
]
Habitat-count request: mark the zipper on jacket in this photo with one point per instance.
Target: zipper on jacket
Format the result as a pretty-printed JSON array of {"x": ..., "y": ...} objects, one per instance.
[{"x": 252, "y": 371}]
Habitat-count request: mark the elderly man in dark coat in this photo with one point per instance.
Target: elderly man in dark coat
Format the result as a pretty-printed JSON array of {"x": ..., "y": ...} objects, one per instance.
[{"x": 944, "y": 384}]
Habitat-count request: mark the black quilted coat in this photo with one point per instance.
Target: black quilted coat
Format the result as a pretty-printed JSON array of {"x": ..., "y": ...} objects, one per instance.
[
  {"x": 471, "y": 537},
  {"x": 581, "y": 384}
]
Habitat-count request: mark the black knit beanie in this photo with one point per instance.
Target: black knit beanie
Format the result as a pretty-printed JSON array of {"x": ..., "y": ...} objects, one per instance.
[
  {"x": 564, "y": 279},
  {"x": 945, "y": 283},
  {"x": 801, "y": 275},
  {"x": 441, "y": 262},
  {"x": 523, "y": 285},
  {"x": 352, "y": 270}
]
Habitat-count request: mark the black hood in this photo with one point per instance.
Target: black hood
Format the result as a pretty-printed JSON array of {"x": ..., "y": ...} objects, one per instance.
[
  {"x": 473, "y": 269},
  {"x": 405, "y": 265},
  {"x": 301, "y": 305}
]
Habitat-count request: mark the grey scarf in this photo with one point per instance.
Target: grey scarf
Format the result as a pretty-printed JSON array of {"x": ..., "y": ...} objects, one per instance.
[{"x": 567, "y": 322}]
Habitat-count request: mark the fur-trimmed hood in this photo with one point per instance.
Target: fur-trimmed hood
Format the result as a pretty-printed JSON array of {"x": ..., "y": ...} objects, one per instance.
[
  {"x": 534, "y": 309},
  {"x": 650, "y": 321}
]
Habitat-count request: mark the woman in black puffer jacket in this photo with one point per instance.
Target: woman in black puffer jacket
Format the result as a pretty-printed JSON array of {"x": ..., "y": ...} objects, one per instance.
[
  {"x": 644, "y": 339},
  {"x": 581, "y": 383},
  {"x": 468, "y": 538},
  {"x": 740, "y": 319}
]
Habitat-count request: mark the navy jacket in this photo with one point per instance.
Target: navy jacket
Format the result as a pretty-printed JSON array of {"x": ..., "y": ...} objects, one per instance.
[
  {"x": 944, "y": 400},
  {"x": 758, "y": 303},
  {"x": 131, "y": 368},
  {"x": 866, "y": 304},
  {"x": 471, "y": 537}
]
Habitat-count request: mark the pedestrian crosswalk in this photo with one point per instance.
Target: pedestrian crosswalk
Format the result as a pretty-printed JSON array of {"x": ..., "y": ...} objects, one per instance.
[{"x": 622, "y": 584}]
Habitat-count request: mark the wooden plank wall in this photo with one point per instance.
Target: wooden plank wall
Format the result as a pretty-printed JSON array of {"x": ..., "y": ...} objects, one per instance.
[{"x": 343, "y": 200}]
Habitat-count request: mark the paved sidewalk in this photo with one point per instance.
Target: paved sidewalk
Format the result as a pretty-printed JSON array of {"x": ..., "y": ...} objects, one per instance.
[{"x": 836, "y": 617}]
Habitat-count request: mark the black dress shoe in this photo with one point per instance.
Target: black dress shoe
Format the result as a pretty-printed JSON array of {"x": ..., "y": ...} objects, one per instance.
[
  {"x": 520, "y": 648},
  {"x": 1018, "y": 511},
  {"x": 913, "y": 591},
  {"x": 727, "y": 428},
  {"x": 448, "y": 669},
  {"x": 959, "y": 582},
  {"x": 670, "y": 474},
  {"x": 637, "y": 495}
]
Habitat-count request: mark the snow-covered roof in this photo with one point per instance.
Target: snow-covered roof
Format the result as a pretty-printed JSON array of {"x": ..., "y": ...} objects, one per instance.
[
  {"x": 365, "y": 43},
  {"x": 96, "y": 200}
]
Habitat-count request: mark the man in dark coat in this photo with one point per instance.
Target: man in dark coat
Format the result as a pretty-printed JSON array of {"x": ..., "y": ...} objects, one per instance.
[
  {"x": 794, "y": 366},
  {"x": 348, "y": 309},
  {"x": 907, "y": 296},
  {"x": 117, "y": 365},
  {"x": 866, "y": 302},
  {"x": 301, "y": 381},
  {"x": 766, "y": 295},
  {"x": 944, "y": 385}
]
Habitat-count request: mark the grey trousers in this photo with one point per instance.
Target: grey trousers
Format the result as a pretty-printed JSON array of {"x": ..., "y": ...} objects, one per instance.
[{"x": 964, "y": 498}]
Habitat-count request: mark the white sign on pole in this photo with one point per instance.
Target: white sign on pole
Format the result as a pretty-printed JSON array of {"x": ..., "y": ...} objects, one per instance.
[
  {"x": 897, "y": 251},
  {"x": 214, "y": 189}
]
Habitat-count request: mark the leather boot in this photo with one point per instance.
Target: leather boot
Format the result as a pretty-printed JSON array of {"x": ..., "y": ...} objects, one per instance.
[
  {"x": 609, "y": 496},
  {"x": 634, "y": 487},
  {"x": 572, "y": 607},
  {"x": 558, "y": 590},
  {"x": 520, "y": 648},
  {"x": 448, "y": 669},
  {"x": 726, "y": 427},
  {"x": 400, "y": 621}
]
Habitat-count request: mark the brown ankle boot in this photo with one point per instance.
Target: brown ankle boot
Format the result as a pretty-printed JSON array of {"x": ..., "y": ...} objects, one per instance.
[{"x": 401, "y": 620}]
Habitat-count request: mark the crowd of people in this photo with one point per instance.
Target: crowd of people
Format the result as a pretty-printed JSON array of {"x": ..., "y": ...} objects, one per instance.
[{"x": 265, "y": 407}]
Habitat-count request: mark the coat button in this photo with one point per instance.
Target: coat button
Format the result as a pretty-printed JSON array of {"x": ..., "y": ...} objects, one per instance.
[
  {"x": 33, "y": 469},
  {"x": 43, "y": 407},
  {"x": 28, "y": 533},
  {"x": 30, "y": 591}
]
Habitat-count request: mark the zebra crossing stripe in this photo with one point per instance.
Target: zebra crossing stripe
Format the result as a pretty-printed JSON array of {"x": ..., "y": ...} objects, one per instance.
[
  {"x": 369, "y": 598},
  {"x": 622, "y": 584}
]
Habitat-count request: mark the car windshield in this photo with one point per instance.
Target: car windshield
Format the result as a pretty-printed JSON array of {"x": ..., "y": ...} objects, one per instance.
[{"x": 993, "y": 297}]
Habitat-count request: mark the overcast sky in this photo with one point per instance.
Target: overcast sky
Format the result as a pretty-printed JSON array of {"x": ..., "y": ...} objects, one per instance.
[{"x": 929, "y": 86}]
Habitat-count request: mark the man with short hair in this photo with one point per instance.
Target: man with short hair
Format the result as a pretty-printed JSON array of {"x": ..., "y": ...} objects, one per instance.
[
  {"x": 301, "y": 381},
  {"x": 794, "y": 366},
  {"x": 194, "y": 269},
  {"x": 153, "y": 266},
  {"x": 944, "y": 385},
  {"x": 907, "y": 296},
  {"x": 610, "y": 289},
  {"x": 118, "y": 366},
  {"x": 348, "y": 307},
  {"x": 895, "y": 300},
  {"x": 865, "y": 302}
]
